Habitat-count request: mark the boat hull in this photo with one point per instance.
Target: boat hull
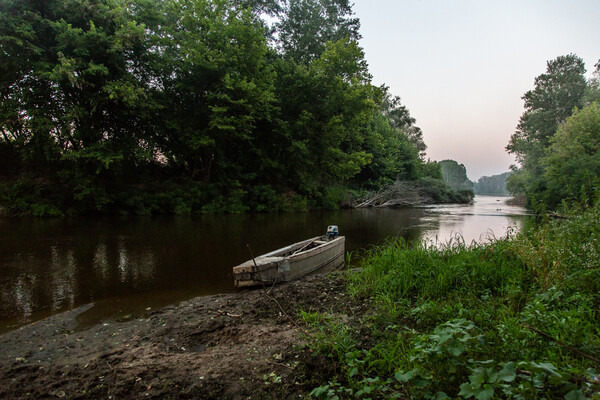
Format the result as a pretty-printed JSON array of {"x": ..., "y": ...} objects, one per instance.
[{"x": 291, "y": 262}]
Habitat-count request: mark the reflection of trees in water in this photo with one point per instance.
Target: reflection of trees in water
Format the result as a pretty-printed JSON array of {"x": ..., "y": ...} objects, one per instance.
[
  {"x": 101, "y": 264},
  {"x": 135, "y": 268},
  {"x": 41, "y": 282},
  {"x": 59, "y": 277},
  {"x": 118, "y": 264},
  {"x": 63, "y": 277},
  {"x": 18, "y": 293},
  {"x": 19, "y": 296}
]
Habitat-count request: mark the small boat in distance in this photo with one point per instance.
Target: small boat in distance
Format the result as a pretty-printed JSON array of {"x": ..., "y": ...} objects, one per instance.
[{"x": 292, "y": 262}]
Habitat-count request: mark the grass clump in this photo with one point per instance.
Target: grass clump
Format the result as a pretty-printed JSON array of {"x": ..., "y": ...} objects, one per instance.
[{"x": 513, "y": 318}]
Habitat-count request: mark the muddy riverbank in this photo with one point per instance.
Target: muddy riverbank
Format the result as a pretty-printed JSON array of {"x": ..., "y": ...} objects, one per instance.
[{"x": 248, "y": 344}]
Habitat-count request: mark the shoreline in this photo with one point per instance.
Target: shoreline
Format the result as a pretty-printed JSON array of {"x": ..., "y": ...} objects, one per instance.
[{"x": 238, "y": 345}]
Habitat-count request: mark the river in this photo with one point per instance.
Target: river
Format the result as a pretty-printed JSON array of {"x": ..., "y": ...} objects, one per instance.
[{"x": 129, "y": 265}]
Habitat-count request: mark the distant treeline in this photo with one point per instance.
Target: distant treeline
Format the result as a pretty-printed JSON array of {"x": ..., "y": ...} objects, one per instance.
[
  {"x": 492, "y": 185},
  {"x": 148, "y": 106},
  {"x": 455, "y": 176}
]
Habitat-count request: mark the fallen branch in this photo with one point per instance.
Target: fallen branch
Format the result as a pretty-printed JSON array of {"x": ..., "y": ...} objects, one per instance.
[
  {"x": 400, "y": 194},
  {"x": 566, "y": 346},
  {"x": 283, "y": 311}
]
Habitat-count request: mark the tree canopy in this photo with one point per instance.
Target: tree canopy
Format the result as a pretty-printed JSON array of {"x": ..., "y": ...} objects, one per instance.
[
  {"x": 192, "y": 106},
  {"x": 555, "y": 139},
  {"x": 455, "y": 175},
  {"x": 307, "y": 25},
  {"x": 572, "y": 162}
]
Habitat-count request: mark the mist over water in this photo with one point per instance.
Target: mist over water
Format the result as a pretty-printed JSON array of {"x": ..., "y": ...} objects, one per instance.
[{"x": 127, "y": 265}]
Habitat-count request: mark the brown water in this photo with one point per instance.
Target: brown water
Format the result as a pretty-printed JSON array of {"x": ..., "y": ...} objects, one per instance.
[{"x": 127, "y": 265}]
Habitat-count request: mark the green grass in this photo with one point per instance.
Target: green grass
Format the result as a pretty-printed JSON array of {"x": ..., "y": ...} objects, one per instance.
[{"x": 514, "y": 318}]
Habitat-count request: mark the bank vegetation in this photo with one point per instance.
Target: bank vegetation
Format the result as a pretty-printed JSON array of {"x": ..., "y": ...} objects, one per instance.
[{"x": 515, "y": 317}]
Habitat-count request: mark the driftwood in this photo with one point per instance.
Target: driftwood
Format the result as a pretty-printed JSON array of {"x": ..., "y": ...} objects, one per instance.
[{"x": 400, "y": 194}]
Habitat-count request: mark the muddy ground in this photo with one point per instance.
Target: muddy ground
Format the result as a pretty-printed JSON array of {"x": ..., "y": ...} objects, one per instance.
[{"x": 242, "y": 345}]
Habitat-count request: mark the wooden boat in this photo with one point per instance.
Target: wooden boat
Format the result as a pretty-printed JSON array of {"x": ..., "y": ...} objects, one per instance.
[{"x": 291, "y": 262}]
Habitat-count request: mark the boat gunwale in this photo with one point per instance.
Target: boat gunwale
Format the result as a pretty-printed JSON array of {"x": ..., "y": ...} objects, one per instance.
[
  {"x": 273, "y": 256},
  {"x": 270, "y": 261}
]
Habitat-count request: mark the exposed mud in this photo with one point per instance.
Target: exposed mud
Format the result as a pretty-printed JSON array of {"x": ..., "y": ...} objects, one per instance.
[{"x": 242, "y": 345}]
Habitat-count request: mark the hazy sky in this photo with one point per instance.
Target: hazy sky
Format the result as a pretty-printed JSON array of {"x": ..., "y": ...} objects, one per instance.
[{"x": 461, "y": 66}]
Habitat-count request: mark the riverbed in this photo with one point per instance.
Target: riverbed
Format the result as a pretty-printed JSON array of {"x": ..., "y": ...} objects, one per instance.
[{"x": 130, "y": 265}]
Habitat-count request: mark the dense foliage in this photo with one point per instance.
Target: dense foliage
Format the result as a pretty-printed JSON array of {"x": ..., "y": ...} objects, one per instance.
[
  {"x": 455, "y": 175},
  {"x": 150, "y": 106},
  {"x": 540, "y": 144},
  {"x": 492, "y": 185},
  {"x": 512, "y": 318},
  {"x": 572, "y": 161}
]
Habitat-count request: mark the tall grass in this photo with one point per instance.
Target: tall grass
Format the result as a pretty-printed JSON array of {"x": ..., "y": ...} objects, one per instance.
[{"x": 517, "y": 317}]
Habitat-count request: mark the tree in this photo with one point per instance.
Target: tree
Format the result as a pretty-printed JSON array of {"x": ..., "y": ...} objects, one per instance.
[
  {"x": 399, "y": 118},
  {"x": 141, "y": 105},
  {"x": 73, "y": 89},
  {"x": 394, "y": 155},
  {"x": 455, "y": 175},
  {"x": 259, "y": 8},
  {"x": 493, "y": 185},
  {"x": 556, "y": 93},
  {"x": 593, "y": 88},
  {"x": 217, "y": 86},
  {"x": 326, "y": 107},
  {"x": 572, "y": 163},
  {"x": 307, "y": 25}
]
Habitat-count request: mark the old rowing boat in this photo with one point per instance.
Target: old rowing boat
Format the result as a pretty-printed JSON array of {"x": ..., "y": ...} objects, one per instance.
[{"x": 291, "y": 262}]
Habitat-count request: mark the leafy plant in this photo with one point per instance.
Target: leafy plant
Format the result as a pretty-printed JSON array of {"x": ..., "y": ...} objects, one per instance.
[{"x": 509, "y": 318}]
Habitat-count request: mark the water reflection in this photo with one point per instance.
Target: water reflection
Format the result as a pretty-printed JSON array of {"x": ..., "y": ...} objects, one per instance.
[
  {"x": 488, "y": 219},
  {"x": 63, "y": 271},
  {"x": 125, "y": 265}
]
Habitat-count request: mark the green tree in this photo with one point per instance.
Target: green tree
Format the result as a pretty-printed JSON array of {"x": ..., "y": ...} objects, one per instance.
[
  {"x": 556, "y": 93},
  {"x": 327, "y": 107},
  {"x": 572, "y": 163},
  {"x": 399, "y": 118},
  {"x": 307, "y": 25},
  {"x": 495, "y": 184},
  {"x": 394, "y": 156},
  {"x": 455, "y": 175},
  {"x": 73, "y": 89},
  {"x": 148, "y": 106},
  {"x": 593, "y": 88},
  {"x": 552, "y": 100},
  {"x": 217, "y": 87},
  {"x": 431, "y": 169},
  {"x": 260, "y": 7}
]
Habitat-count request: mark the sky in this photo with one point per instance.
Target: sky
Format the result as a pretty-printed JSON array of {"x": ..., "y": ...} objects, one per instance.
[{"x": 462, "y": 66}]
